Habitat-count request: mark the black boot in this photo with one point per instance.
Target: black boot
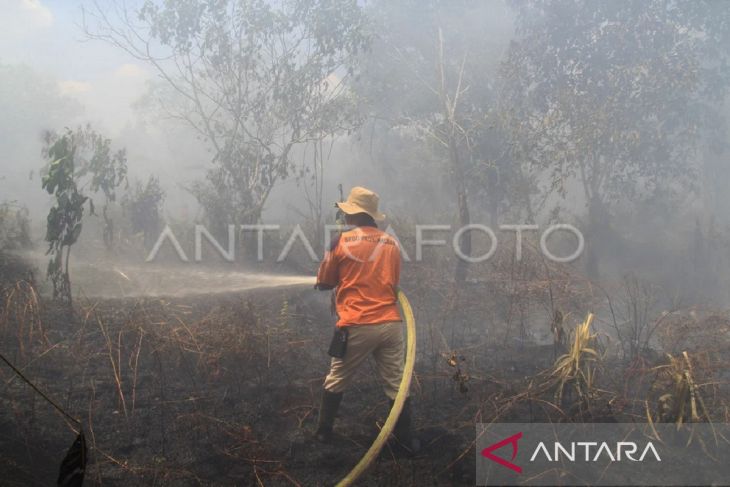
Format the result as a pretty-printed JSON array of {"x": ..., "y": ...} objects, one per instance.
[
  {"x": 403, "y": 430},
  {"x": 327, "y": 412}
]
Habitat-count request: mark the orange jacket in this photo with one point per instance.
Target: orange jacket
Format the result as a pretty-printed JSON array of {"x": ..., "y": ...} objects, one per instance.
[{"x": 364, "y": 265}]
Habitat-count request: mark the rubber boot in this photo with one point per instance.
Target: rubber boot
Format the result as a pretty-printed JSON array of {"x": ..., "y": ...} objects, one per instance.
[
  {"x": 403, "y": 430},
  {"x": 327, "y": 413}
]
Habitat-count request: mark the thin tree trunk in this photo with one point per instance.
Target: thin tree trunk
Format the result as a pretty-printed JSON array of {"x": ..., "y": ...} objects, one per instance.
[
  {"x": 67, "y": 278},
  {"x": 457, "y": 174},
  {"x": 597, "y": 230},
  {"x": 449, "y": 106}
]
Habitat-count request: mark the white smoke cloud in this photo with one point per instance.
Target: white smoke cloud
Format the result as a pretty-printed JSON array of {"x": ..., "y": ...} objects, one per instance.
[
  {"x": 22, "y": 18},
  {"x": 73, "y": 87}
]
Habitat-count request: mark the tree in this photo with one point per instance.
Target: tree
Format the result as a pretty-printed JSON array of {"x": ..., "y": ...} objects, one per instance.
[
  {"x": 143, "y": 206},
  {"x": 77, "y": 159},
  {"x": 427, "y": 78},
  {"x": 106, "y": 170},
  {"x": 252, "y": 78},
  {"x": 64, "y": 225},
  {"x": 608, "y": 97},
  {"x": 98, "y": 168}
]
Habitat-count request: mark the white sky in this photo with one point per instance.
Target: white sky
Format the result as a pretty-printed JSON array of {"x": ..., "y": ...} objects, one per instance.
[{"x": 47, "y": 36}]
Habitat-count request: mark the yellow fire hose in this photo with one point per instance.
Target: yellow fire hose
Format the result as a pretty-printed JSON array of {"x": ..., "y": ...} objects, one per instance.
[{"x": 400, "y": 398}]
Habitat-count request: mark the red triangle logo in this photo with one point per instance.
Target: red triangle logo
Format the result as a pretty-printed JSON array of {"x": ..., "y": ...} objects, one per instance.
[{"x": 487, "y": 452}]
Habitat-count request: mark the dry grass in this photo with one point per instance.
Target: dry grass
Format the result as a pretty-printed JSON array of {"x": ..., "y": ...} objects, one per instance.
[{"x": 21, "y": 316}]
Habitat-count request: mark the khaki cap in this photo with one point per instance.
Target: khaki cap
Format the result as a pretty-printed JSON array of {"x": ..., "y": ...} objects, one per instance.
[{"x": 362, "y": 200}]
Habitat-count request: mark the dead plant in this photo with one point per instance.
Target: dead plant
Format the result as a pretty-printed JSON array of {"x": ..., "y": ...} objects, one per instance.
[
  {"x": 576, "y": 369},
  {"x": 679, "y": 400}
]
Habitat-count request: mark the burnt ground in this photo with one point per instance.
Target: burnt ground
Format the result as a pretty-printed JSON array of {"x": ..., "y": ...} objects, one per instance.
[
  {"x": 224, "y": 390},
  {"x": 215, "y": 390}
]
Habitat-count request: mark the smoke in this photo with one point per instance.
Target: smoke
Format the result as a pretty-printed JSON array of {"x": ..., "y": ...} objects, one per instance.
[{"x": 422, "y": 57}]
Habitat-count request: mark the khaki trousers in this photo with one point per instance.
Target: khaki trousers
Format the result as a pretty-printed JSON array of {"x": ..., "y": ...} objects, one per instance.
[{"x": 385, "y": 342}]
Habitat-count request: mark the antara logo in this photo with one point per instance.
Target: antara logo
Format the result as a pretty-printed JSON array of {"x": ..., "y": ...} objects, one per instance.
[
  {"x": 487, "y": 452},
  {"x": 592, "y": 452}
]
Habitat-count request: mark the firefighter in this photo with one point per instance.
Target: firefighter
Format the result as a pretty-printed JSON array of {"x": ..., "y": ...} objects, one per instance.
[{"x": 363, "y": 265}]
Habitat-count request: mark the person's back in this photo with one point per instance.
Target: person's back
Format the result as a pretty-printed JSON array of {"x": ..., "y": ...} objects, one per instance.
[{"x": 364, "y": 264}]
